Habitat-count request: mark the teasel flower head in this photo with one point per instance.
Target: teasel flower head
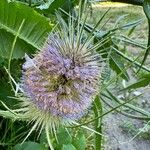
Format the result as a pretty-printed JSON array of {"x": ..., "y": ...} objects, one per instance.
[{"x": 62, "y": 79}]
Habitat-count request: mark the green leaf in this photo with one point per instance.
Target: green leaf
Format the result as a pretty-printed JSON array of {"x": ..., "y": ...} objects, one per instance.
[
  {"x": 68, "y": 147},
  {"x": 30, "y": 146},
  {"x": 46, "y": 5},
  {"x": 130, "y": 25},
  {"x": 33, "y": 32},
  {"x": 51, "y": 6},
  {"x": 79, "y": 141},
  {"x": 146, "y": 7},
  {"x": 144, "y": 81},
  {"x": 120, "y": 18},
  {"x": 54, "y": 6},
  {"x": 63, "y": 134},
  {"x": 21, "y": 47},
  {"x": 115, "y": 60},
  {"x": 43, "y": 138},
  {"x": 116, "y": 63},
  {"x": 146, "y": 52}
]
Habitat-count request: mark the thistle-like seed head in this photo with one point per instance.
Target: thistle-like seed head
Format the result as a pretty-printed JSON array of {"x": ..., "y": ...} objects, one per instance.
[{"x": 63, "y": 77}]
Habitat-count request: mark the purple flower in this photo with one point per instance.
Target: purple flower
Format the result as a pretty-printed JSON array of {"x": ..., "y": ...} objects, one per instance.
[{"x": 63, "y": 77}]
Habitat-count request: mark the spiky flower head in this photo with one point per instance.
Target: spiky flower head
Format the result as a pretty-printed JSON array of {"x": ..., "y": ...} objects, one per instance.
[{"x": 62, "y": 79}]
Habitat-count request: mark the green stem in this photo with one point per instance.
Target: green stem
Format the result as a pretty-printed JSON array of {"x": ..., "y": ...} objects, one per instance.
[
  {"x": 12, "y": 50},
  {"x": 98, "y": 123},
  {"x": 29, "y": 2},
  {"x": 148, "y": 32}
]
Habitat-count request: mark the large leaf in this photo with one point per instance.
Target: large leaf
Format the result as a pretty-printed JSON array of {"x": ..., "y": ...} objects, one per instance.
[{"x": 33, "y": 32}]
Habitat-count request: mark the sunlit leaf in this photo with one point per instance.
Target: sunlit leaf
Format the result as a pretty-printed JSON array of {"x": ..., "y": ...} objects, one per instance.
[{"x": 33, "y": 32}]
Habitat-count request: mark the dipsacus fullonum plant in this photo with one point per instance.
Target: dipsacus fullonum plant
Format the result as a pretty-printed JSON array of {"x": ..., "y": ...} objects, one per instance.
[{"x": 60, "y": 82}]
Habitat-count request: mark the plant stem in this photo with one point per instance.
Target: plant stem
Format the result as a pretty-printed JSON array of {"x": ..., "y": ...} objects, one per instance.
[
  {"x": 12, "y": 50},
  {"x": 29, "y": 2},
  {"x": 98, "y": 123}
]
